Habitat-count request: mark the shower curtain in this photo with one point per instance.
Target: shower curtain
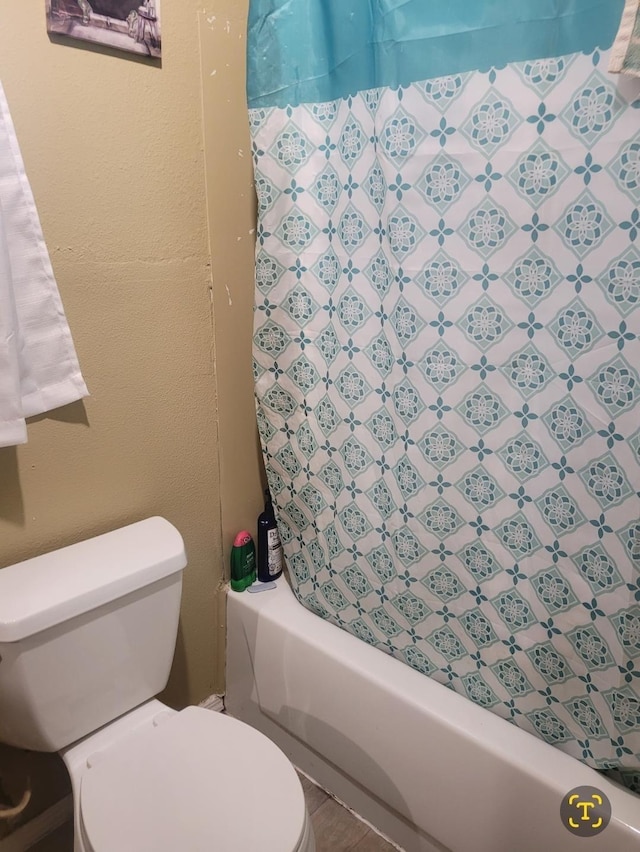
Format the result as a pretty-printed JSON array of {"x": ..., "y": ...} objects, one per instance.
[{"x": 446, "y": 346}]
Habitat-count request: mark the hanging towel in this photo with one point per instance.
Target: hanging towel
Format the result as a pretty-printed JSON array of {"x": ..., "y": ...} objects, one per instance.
[
  {"x": 39, "y": 368},
  {"x": 625, "y": 56}
]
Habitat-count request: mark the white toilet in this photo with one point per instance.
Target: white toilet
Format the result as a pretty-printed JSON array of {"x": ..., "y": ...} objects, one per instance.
[{"x": 87, "y": 635}]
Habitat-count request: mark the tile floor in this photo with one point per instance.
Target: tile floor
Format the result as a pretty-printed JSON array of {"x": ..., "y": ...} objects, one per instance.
[
  {"x": 60, "y": 841},
  {"x": 335, "y": 828}
]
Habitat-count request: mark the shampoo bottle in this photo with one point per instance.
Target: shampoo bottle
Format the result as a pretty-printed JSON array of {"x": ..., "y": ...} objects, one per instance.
[
  {"x": 270, "y": 555},
  {"x": 243, "y": 562}
]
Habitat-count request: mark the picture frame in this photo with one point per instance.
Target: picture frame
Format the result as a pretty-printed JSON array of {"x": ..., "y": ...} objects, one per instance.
[{"x": 129, "y": 25}]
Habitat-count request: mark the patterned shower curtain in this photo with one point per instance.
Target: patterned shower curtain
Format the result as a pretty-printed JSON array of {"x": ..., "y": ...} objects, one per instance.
[{"x": 446, "y": 344}]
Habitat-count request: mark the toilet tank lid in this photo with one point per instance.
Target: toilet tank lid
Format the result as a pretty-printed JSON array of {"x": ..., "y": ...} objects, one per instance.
[{"x": 47, "y": 590}]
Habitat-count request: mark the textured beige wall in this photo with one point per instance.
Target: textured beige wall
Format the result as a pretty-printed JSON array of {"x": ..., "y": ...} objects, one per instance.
[
  {"x": 114, "y": 149},
  {"x": 231, "y": 203}
]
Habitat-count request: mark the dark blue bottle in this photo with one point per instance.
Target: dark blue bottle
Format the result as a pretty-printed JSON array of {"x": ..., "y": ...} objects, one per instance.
[{"x": 270, "y": 555}]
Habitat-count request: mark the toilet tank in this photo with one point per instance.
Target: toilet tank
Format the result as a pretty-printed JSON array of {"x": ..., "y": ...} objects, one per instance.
[{"x": 87, "y": 633}]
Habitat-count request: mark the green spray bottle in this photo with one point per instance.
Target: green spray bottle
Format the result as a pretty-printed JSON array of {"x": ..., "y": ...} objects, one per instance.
[{"x": 243, "y": 562}]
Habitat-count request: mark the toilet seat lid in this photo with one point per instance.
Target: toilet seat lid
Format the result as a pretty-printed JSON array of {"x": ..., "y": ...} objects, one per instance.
[{"x": 199, "y": 781}]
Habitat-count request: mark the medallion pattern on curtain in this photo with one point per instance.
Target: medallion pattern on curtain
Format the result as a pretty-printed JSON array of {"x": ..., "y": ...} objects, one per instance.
[{"x": 446, "y": 360}]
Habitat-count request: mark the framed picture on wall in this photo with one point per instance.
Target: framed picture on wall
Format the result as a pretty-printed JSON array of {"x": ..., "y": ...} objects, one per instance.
[{"x": 131, "y": 25}]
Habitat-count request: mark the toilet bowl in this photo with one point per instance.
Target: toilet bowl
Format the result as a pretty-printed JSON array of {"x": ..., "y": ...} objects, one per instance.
[
  {"x": 86, "y": 640},
  {"x": 193, "y": 780}
]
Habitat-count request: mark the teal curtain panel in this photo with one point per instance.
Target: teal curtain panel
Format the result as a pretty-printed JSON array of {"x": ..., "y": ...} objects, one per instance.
[{"x": 311, "y": 51}]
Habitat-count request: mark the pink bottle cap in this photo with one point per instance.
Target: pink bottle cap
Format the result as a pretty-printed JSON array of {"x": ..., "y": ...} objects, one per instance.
[{"x": 243, "y": 537}]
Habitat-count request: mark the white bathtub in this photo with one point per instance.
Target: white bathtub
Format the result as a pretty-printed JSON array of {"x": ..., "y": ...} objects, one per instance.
[{"x": 424, "y": 765}]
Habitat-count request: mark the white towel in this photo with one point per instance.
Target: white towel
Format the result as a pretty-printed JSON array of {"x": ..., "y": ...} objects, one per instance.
[{"x": 39, "y": 368}]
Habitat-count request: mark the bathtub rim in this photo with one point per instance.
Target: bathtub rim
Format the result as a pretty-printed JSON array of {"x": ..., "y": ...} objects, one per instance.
[{"x": 280, "y": 610}]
